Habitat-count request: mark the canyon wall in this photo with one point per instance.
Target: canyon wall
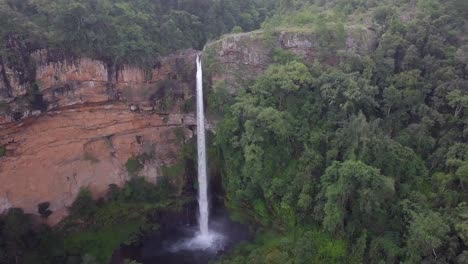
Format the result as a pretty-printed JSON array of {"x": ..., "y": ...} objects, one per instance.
[
  {"x": 82, "y": 123},
  {"x": 92, "y": 123},
  {"x": 236, "y": 59}
]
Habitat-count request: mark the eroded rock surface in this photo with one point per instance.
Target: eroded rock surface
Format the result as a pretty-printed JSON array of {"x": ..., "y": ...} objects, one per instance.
[
  {"x": 237, "y": 59},
  {"x": 95, "y": 121}
]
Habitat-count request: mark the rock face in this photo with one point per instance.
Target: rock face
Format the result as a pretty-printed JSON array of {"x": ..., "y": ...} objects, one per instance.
[
  {"x": 237, "y": 59},
  {"x": 95, "y": 120},
  {"x": 78, "y": 121}
]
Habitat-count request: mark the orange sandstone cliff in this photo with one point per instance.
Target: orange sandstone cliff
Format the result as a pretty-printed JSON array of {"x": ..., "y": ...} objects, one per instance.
[{"x": 92, "y": 119}]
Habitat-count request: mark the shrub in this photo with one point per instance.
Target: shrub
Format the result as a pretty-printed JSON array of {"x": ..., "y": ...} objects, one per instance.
[
  {"x": 172, "y": 171},
  {"x": 84, "y": 205},
  {"x": 43, "y": 209},
  {"x": 282, "y": 56},
  {"x": 133, "y": 165},
  {"x": 2, "y": 151},
  {"x": 237, "y": 29}
]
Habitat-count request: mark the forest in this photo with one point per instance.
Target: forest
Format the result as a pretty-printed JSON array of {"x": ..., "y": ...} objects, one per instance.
[
  {"x": 358, "y": 159},
  {"x": 119, "y": 31},
  {"x": 370, "y": 153}
]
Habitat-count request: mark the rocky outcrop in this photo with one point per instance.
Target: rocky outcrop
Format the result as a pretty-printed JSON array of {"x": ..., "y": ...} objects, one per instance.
[
  {"x": 80, "y": 121},
  {"x": 77, "y": 81},
  {"x": 238, "y": 58},
  {"x": 96, "y": 119}
]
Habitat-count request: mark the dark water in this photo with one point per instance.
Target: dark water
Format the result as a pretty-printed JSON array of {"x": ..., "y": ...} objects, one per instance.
[{"x": 178, "y": 228}]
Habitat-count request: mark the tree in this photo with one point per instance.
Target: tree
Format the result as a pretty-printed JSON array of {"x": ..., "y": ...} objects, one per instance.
[
  {"x": 84, "y": 205},
  {"x": 427, "y": 231},
  {"x": 462, "y": 174},
  {"x": 353, "y": 196},
  {"x": 43, "y": 209},
  {"x": 458, "y": 100}
]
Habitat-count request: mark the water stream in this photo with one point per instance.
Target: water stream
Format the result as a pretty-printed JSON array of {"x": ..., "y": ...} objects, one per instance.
[
  {"x": 205, "y": 238},
  {"x": 180, "y": 242},
  {"x": 201, "y": 145}
]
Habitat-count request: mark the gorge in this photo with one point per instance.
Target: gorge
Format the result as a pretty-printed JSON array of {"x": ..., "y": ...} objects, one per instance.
[{"x": 233, "y": 131}]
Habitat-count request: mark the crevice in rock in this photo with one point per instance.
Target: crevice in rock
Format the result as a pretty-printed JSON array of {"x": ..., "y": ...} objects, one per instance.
[
  {"x": 7, "y": 92},
  {"x": 112, "y": 77}
]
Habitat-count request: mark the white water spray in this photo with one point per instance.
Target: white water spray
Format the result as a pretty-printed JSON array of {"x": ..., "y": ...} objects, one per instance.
[
  {"x": 202, "y": 177},
  {"x": 205, "y": 239}
]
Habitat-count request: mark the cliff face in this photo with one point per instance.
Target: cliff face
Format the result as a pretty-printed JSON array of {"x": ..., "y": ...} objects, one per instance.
[
  {"x": 237, "y": 59},
  {"x": 80, "y": 121},
  {"x": 93, "y": 120}
]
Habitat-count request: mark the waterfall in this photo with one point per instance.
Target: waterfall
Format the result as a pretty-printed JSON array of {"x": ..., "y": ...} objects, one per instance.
[
  {"x": 202, "y": 177},
  {"x": 205, "y": 239}
]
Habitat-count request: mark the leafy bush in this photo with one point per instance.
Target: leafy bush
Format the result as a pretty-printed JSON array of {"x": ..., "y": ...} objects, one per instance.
[
  {"x": 300, "y": 246},
  {"x": 237, "y": 29},
  {"x": 43, "y": 209},
  {"x": 134, "y": 165},
  {"x": 2, "y": 151},
  {"x": 97, "y": 228},
  {"x": 84, "y": 205}
]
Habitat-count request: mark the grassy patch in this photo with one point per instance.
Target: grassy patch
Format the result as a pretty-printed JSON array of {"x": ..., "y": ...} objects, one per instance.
[{"x": 2, "y": 151}]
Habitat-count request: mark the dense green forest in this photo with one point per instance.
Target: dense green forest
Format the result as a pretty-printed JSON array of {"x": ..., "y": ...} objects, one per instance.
[
  {"x": 94, "y": 228},
  {"x": 118, "y": 31},
  {"x": 370, "y": 152}
]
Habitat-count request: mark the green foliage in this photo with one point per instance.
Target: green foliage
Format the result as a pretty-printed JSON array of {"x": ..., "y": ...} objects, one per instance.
[
  {"x": 171, "y": 171},
  {"x": 354, "y": 195},
  {"x": 121, "y": 32},
  {"x": 284, "y": 56},
  {"x": 23, "y": 241},
  {"x": 100, "y": 244},
  {"x": 369, "y": 146},
  {"x": 2, "y": 151},
  {"x": 218, "y": 98},
  {"x": 84, "y": 205},
  {"x": 300, "y": 246},
  {"x": 237, "y": 29},
  {"x": 97, "y": 228},
  {"x": 43, "y": 209},
  {"x": 94, "y": 229},
  {"x": 134, "y": 165},
  {"x": 427, "y": 231}
]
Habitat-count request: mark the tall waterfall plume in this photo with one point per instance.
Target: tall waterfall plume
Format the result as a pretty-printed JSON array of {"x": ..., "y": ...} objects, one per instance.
[
  {"x": 202, "y": 176},
  {"x": 205, "y": 238}
]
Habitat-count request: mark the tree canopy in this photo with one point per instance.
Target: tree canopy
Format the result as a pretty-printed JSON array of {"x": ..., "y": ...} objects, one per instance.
[{"x": 372, "y": 149}]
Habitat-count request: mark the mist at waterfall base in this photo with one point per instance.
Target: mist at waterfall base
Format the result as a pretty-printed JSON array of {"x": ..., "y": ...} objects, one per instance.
[
  {"x": 182, "y": 240},
  {"x": 205, "y": 239},
  {"x": 180, "y": 244}
]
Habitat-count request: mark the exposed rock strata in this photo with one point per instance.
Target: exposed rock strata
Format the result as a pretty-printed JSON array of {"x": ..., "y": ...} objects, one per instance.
[
  {"x": 94, "y": 123},
  {"x": 239, "y": 58},
  {"x": 97, "y": 116}
]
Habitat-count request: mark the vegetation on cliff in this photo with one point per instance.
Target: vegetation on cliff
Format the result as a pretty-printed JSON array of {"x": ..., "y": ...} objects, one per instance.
[
  {"x": 94, "y": 229},
  {"x": 370, "y": 149},
  {"x": 356, "y": 158}
]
